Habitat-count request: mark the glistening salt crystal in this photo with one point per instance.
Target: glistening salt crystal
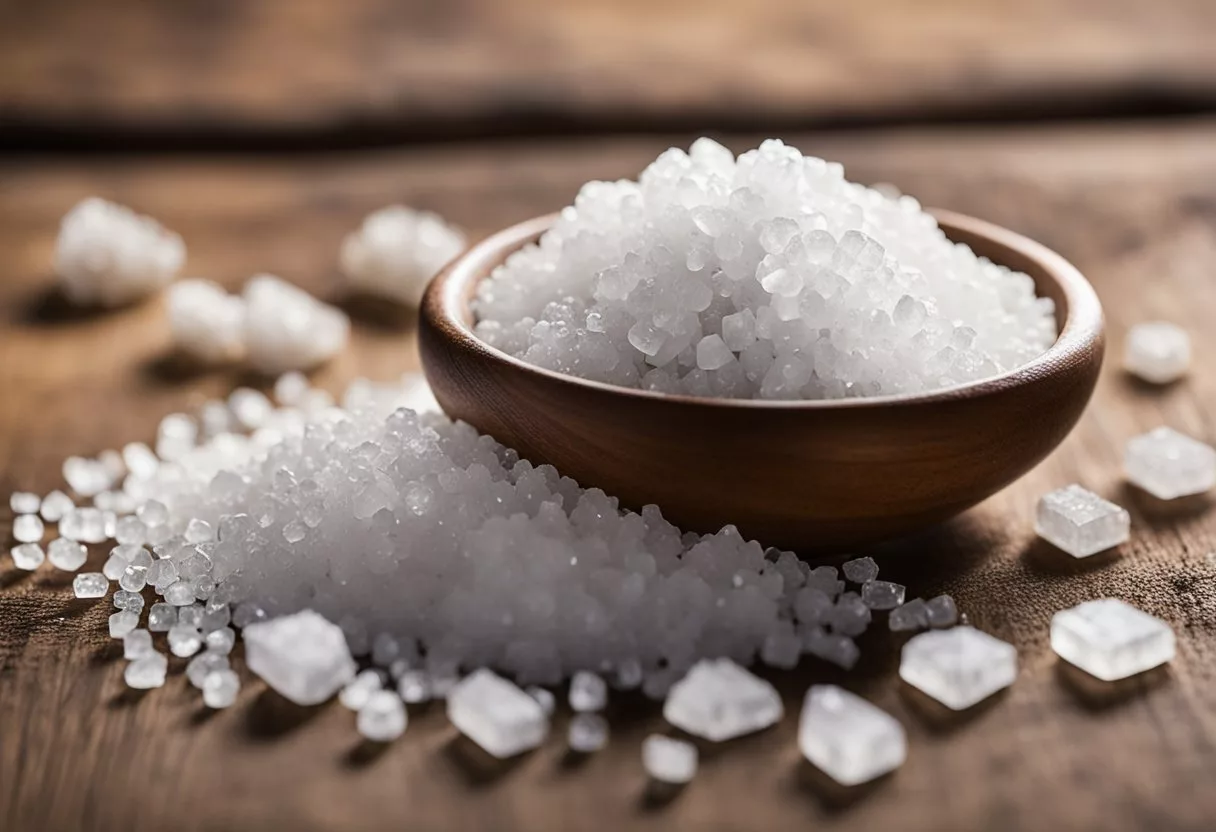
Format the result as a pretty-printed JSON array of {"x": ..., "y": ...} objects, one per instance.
[
  {"x": 288, "y": 329},
  {"x": 1110, "y": 639},
  {"x": 1157, "y": 351},
  {"x": 719, "y": 700},
  {"x": 847, "y": 738},
  {"x": 28, "y": 556},
  {"x": 382, "y": 717},
  {"x": 958, "y": 667},
  {"x": 24, "y": 502},
  {"x": 302, "y": 656},
  {"x": 1080, "y": 522},
  {"x": 669, "y": 760},
  {"x": 1169, "y": 464},
  {"x": 397, "y": 251},
  {"x": 496, "y": 715}
]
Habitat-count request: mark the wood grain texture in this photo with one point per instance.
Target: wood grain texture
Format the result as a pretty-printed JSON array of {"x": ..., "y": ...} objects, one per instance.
[
  {"x": 1134, "y": 208},
  {"x": 399, "y": 67}
]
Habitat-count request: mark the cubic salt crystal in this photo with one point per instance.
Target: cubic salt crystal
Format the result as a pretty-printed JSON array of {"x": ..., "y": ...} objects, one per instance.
[
  {"x": 414, "y": 686},
  {"x": 27, "y": 528},
  {"x": 134, "y": 578},
  {"x": 545, "y": 698},
  {"x": 55, "y": 505},
  {"x": 90, "y": 585},
  {"x": 588, "y": 733},
  {"x": 137, "y": 644},
  {"x": 838, "y": 649},
  {"x": 24, "y": 502},
  {"x": 179, "y": 593},
  {"x": 359, "y": 689},
  {"x": 27, "y": 556},
  {"x": 1080, "y": 522},
  {"x": 288, "y": 329},
  {"x": 123, "y": 622},
  {"x": 847, "y": 738},
  {"x": 302, "y": 656},
  {"x": 882, "y": 595},
  {"x": 220, "y": 689},
  {"x": 1169, "y": 464},
  {"x": 205, "y": 321},
  {"x": 860, "y": 570},
  {"x": 941, "y": 612},
  {"x": 909, "y": 617},
  {"x": 220, "y": 641},
  {"x": 108, "y": 255},
  {"x": 382, "y": 718},
  {"x": 147, "y": 672},
  {"x": 588, "y": 692},
  {"x": 203, "y": 665},
  {"x": 67, "y": 555},
  {"x": 1110, "y": 639},
  {"x": 718, "y": 700},
  {"x": 850, "y": 616},
  {"x": 958, "y": 667},
  {"x": 496, "y": 715},
  {"x": 1158, "y": 351},
  {"x": 396, "y": 252},
  {"x": 669, "y": 760},
  {"x": 184, "y": 640}
]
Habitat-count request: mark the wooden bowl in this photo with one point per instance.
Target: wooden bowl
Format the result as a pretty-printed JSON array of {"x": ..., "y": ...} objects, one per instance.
[{"x": 807, "y": 475}]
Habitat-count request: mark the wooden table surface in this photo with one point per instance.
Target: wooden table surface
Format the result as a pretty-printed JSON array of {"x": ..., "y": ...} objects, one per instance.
[{"x": 1132, "y": 203}]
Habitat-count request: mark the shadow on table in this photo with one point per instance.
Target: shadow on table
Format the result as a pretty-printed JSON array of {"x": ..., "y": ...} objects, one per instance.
[
  {"x": 270, "y": 716},
  {"x": 47, "y": 306},
  {"x": 1095, "y": 694}
]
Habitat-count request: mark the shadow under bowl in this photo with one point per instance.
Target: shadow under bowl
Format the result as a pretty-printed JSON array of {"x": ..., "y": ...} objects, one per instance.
[{"x": 805, "y": 475}]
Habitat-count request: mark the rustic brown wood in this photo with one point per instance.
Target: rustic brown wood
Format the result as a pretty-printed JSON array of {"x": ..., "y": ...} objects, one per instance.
[
  {"x": 399, "y": 67},
  {"x": 1133, "y": 207},
  {"x": 822, "y": 475}
]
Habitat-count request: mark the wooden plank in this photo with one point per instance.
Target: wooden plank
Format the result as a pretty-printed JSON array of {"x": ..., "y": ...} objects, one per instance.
[
  {"x": 1132, "y": 206},
  {"x": 201, "y": 71}
]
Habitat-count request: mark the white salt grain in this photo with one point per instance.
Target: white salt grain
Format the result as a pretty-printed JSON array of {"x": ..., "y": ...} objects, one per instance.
[
  {"x": 941, "y": 612},
  {"x": 123, "y": 622},
  {"x": 669, "y": 760},
  {"x": 958, "y": 667},
  {"x": 288, "y": 329},
  {"x": 588, "y": 692},
  {"x": 184, "y": 640},
  {"x": 27, "y": 556},
  {"x": 545, "y": 698},
  {"x": 302, "y": 656},
  {"x": 382, "y": 718},
  {"x": 1080, "y": 522},
  {"x": 719, "y": 700},
  {"x": 587, "y": 733},
  {"x": 206, "y": 322},
  {"x": 397, "y": 251},
  {"x": 67, "y": 555},
  {"x": 860, "y": 570},
  {"x": 162, "y": 617},
  {"x": 1111, "y": 639},
  {"x": 137, "y": 644},
  {"x": 1169, "y": 464},
  {"x": 357, "y": 691},
  {"x": 220, "y": 689},
  {"x": 912, "y": 616},
  {"x": 882, "y": 595},
  {"x": 847, "y": 738},
  {"x": 23, "y": 502},
  {"x": 147, "y": 672},
  {"x": 28, "y": 528},
  {"x": 496, "y": 715},
  {"x": 90, "y": 585},
  {"x": 203, "y": 665},
  {"x": 1158, "y": 351},
  {"x": 414, "y": 687},
  {"x": 55, "y": 505}
]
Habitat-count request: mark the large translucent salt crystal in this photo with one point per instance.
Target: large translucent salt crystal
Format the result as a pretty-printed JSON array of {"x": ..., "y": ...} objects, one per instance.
[
  {"x": 28, "y": 556},
  {"x": 669, "y": 760},
  {"x": 914, "y": 615},
  {"x": 90, "y": 585},
  {"x": 55, "y": 505},
  {"x": 147, "y": 671},
  {"x": 860, "y": 570},
  {"x": 28, "y": 528},
  {"x": 847, "y": 738},
  {"x": 302, "y": 656},
  {"x": 496, "y": 714},
  {"x": 587, "y": 733},
  {"x": 718, "y": 700},
  {"x": 108, "y": 255},
  {"x": 1169, "y": 464},
  {"x": 220, "y": 688},
  {"x": 588, "y": 692},
  {"x": 397, "y": 251},
  {"x": 137, "y": 644},
  {"x": 382, "y": 717},
  {"x": 1080, "y": 522},
  {"x": 882, "y": 595},
  {"x": 941, "y": 612},
  {"x": 205, "y": 321},
  {"x": 359, "y": 689},
  {"x": 766, "y": 276},
  {"x": 958, "y": 667},
  {"x": 1157, "y": 351},
  {"x": 24, "y": 502},
  {"x": 1110, "y": 639},
  {"x": 288, "y": 329}
]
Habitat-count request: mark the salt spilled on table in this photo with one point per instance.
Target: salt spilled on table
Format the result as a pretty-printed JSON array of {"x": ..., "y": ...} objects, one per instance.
[
  {"x": 496, "y": 715},
  {"x": 302, "y": 656},
  {"x": 768, "y": 276},
  {"x": 719, "y": 700},
  {"x": 1080, "y": 522},
  {"x": 1110, "y": 639},
  {"x": 669, "y": 760},
  {"x": 397, "y": 250},
  {"x": 958, "y": 667},
  {"x": 1169, "y": 464},
  {"x": 1157, "y": 351},
  {"x": 846, "y": 737}
]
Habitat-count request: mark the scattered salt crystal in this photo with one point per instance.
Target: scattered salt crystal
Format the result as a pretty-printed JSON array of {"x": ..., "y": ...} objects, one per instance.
[
  {"x": 219, "y": 641},
  {"x": 184, "y": 640},
  {"x": 108, "y": 255},
  {"x": 87, "y": 477},
  {"x": 414, "y": 686},
  {"x": 205, "y": 321},
  {"x": 669, "y": 760},
  {"x": 288, "y": 329},
  {"x": 162, "y": 617},
  {"x": 140, "y": 460},
  {"x": 860, "y": 570},
  {"x": 941, "y": 612},
  {"x": 203, "y": 665},
  {"x": 137, "y": 644},
  {"x": 134, "y": 578},
  {"x": 1158, "y": 351},
  {"x": 397, "y": 251},
  {"x": 1110, "y": 639},
  {"x": 838, "y": 649},
  {"x": 147, "y": 671},
  {"x": 958, "y": 667},
  {"x": 190, "y": 616},
  {"x": 496, "y": 715},
  {"x": 588, "y": 692},
  {"x": 826, "y": 579},
  {"x": 199, "y": 531},
  {"x": 909, "y": 617},
  {"x": 302, "y": 656},
  {"x": 27, "y": 556},
  {"x": 250, "y": 408},
  {"x": 123, "y": 622},
  {"x": 179, "y": 593},
  {"x": 357, "y": 691},
  {"x": 220, "y": 689},
  {"x": 847, "y": 738},
  {"x": 290, "y": 389},
  {"x": 719, "y": 700},
  {"x": 130, "y": 530},
  {"x": 152, "y": 513},
  {"x": 28, "y": 528},
  {"x": 67, "y": 555},
  {"x": 24, "y": 502},
  {"x": 55, "y": 505},
  {"x": 90, "y": 585},
  {"x": 850, "y": 616},
  {"x": 544, "y": 697},
  {"x": 382, "y": 718},
  {"x": 124, "y": 600},
  {"x": 882, "y": 595},
  {"x": 588, "y": 733},
  {"x": 1080, "y": 522},
  {"x": 812, "y": 605},
  {"x": 1169, "y": 464}
]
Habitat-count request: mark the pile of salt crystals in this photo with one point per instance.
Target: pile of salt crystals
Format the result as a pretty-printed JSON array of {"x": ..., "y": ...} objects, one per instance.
[
  {"x": 768, "y": 276},
  {"x": 397, "y": 250}
]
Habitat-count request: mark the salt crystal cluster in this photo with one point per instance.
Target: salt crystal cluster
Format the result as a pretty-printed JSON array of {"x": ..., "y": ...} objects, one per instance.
[
  {"x": 107, "y": 255},
  {"x": 1157, "y": 351},
  {"x": 397, "y": 251},
  {"x": 206, "y": 322},
  {"x": 1080, "y": 522},
  {"x": 847, "y": 738},
  {"x": 768, "y": 276},
  {"x": 1169, "y": 464},
  {"x": 1110, "y": 639}
]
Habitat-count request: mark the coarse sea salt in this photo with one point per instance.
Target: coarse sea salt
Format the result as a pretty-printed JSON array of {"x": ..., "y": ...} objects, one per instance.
[
  {"x": 958, "y": 667},
  {"x": 397, "y": 250},
  {"x": 205, "y": 321},
  {"x": 1169, "y": 464},
  {"x": 1080, "y": 522},
  {"x": 767, "y": 276},
  {"x": 719, "y": 700},
  {"x": 1157, "y": 351},
  {"x": 1110, "y": 639},
  {"x": 847, "y": 738}
]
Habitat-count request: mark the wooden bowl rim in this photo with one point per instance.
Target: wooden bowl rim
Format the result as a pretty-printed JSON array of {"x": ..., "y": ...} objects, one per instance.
[{"x": 446, "y": 303}]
